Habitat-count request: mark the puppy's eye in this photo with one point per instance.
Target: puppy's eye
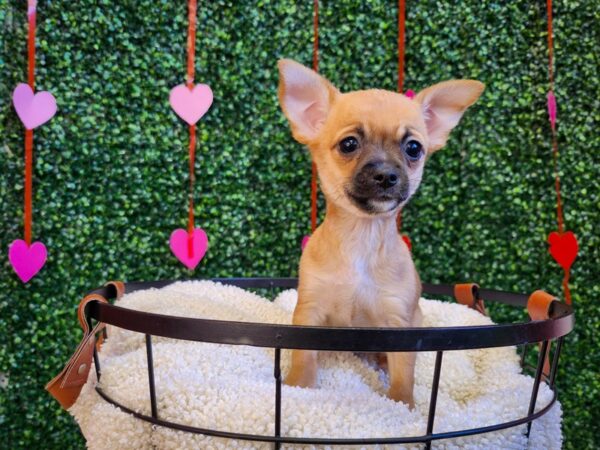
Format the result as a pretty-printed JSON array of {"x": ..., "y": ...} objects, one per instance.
[
  {"x": 348, "y": 145},
  {"x": 413, "y": 150}
]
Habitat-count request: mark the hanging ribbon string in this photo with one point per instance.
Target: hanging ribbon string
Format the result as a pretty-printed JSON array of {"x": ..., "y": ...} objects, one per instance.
[
  {"x": 28, "y": 208},
  {"x": 401, "y": 39},
  {"x": 563, "y": 245},
  {"x": 552, "y": 117},
  {"x": 313, "y": 181},
  {"x": 191, "y": 50},
  {"x": 401, "y": 52}
]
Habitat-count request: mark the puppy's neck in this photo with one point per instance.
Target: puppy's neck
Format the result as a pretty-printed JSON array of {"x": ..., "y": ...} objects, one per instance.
[{"x": 351, "y": 233}]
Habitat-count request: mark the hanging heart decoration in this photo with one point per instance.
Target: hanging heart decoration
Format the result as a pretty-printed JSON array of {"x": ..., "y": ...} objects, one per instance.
[
  {"x": 191, "y": 104},
  {"x": 304, "y": 242},
  {"x": 551, "y": 109},
  {"x": 189, "y": 249},
  {"x": 563, "y": 248},
  {"x": 27, "y": 260},
  {"x": 407, "y": 241},
  {"x": 563, "y": 244},
  {"x": 33, "y": 109}
]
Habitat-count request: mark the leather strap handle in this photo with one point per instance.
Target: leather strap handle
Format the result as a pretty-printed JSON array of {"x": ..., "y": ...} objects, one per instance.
[
  {"x": 66, "y": 386},
  {"x": 540, "y": 306},
  {"x": 119, "y": 288},
  {"x": 468, "y": 294}
]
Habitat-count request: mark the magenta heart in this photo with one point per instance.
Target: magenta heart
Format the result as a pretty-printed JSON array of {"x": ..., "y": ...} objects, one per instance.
[
  {"x": 304, "y": 242},
  {"x": 552, "y": 108},
  {"x": 192, "y": 104},
  {"x": 189, "y": 249},
  {"x": 33, "y": 109},
  {"x": 27, "y": 260}
]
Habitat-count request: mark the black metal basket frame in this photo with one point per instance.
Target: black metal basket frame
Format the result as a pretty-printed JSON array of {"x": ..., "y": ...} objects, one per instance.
[{"x": 278, "y": 337}]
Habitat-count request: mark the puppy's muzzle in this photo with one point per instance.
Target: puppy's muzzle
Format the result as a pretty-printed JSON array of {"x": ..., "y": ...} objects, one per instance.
[{"x": 379, "y": 181}]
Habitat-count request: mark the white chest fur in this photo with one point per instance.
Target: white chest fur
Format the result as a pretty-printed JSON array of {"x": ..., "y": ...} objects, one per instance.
[{"x": 365, "y": 278}]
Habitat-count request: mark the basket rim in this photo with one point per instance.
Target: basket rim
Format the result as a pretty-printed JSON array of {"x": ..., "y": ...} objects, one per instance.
[{"x": 321, "y": 338}]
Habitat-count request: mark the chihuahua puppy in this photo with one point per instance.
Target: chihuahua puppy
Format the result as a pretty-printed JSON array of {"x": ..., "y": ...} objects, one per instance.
[{"x": 370, "y": 148}]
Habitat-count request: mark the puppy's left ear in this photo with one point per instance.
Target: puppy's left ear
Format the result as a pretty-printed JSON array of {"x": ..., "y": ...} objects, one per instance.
[{"x": 443, "y": 105}]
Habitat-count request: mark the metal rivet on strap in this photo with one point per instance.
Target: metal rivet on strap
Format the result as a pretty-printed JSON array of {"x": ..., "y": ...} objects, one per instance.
[{"x": 82, "y": 368}]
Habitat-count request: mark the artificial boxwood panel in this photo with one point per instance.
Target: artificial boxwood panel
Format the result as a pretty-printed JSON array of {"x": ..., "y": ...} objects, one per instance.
[{"x": 111, "y": 167}]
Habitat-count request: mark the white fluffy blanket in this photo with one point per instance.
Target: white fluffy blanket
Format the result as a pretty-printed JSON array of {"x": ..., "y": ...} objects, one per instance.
[{"x": 232, "y": 387}]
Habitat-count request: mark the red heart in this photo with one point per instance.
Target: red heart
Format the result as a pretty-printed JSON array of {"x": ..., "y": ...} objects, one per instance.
[
  {"x": 406, "y": 240},
  {"x": 563, "y": 248}
]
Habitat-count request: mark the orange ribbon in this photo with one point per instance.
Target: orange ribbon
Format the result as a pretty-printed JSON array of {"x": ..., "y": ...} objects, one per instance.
[
  {"x": 401, "y": 41},
  {"x": 313, "y": 180}
]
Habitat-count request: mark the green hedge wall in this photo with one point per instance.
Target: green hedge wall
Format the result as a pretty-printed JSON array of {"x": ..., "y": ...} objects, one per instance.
[{"x": 110, "y": 169}]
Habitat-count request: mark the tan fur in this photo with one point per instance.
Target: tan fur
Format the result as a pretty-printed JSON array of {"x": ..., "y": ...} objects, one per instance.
[{"x": 356, "y": 270}]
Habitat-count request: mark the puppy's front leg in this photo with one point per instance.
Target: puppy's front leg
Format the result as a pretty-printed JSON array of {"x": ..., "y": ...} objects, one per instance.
[
  {"x": 401, "y": 366},
  {"x": 303, "y": 372},
  {"x": 402, "y": 377}
]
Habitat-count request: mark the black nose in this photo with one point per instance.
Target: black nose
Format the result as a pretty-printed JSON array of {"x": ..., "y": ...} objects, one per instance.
[{"x": 386, "y": 176}]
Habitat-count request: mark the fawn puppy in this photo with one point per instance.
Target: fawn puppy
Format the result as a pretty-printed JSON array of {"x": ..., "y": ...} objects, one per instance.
[{"x": 370, "y": 148}]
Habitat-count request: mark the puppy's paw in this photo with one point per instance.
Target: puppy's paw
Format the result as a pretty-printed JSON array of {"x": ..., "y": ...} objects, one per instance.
[
  {"x": 299, "y": 379},
  {"x": 403, "y": 396}
]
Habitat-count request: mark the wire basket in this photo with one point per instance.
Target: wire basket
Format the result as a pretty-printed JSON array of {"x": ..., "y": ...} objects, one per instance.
[{"x": 557, "y": 321}]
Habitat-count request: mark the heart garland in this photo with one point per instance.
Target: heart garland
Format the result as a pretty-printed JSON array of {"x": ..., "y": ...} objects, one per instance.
[
  {"x": 33, "y": 109},
  {"x": 563, "y": 244},
  {"x": 190, "y": 102}
]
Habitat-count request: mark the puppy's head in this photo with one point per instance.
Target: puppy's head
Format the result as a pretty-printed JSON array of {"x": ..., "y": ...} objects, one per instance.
[{"x": 370, "y": 146}]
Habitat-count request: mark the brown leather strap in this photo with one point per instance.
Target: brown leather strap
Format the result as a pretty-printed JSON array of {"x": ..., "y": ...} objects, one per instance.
[
  {"x": 119, "y": 288},
  {"x": 539, "y": 306},
  {"x": 468, "y": 294},
  {"x": 67, "y": 385}
]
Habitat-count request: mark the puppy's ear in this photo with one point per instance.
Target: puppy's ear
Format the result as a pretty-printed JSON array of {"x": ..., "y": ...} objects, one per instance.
[
  {"x": 443, "y": 105},
  {"x": 305, "y": 98}
]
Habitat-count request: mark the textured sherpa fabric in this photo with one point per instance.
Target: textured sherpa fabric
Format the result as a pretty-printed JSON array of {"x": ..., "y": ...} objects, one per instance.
[{"x": 232, "y": 387}]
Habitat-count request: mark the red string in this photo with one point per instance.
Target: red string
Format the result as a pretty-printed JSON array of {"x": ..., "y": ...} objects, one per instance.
[
  {"x": 401, "y": 43},
  {"x": 191, "y": 51},
  {"x": 28, "y": 207},
  {"x": 313, "y": 180},
  {"x": 559, "y": 208}
]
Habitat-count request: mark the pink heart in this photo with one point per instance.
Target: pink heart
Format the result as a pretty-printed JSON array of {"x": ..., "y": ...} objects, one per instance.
[
  {"x": 33, "y": 109},
  {"x": 180, "y": 246},
  {"x": 552, "y": 108},
  {"x": 27, "y": 260},
  {"x": 191, "y": 105}
]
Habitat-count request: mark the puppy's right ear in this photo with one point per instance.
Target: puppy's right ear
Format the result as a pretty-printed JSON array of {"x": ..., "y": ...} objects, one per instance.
[{"x": 305, "y": 98}]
